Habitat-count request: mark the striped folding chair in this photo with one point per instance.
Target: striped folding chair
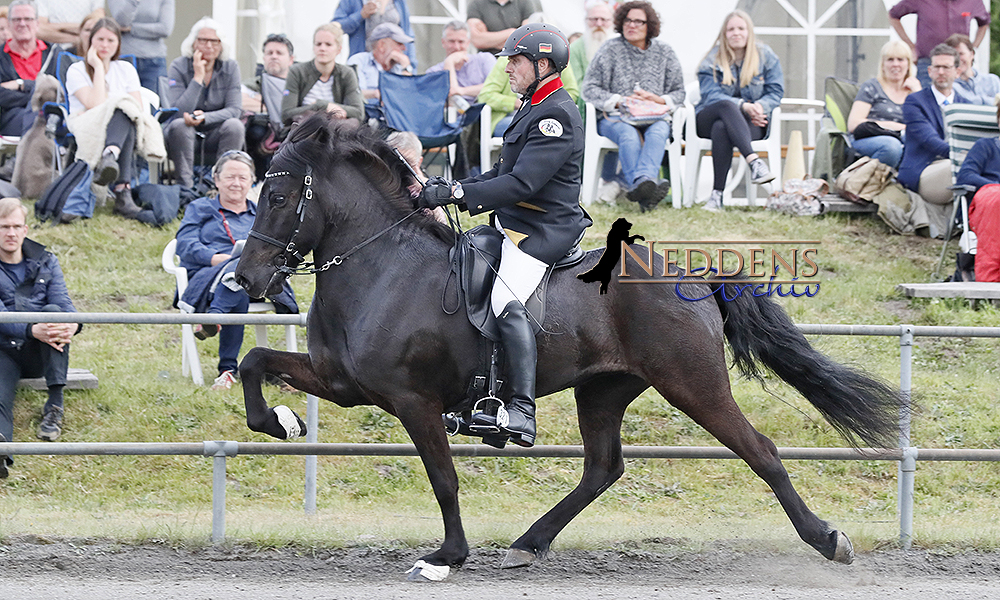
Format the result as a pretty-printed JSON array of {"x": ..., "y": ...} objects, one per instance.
[{"x": 964, "y": 124}]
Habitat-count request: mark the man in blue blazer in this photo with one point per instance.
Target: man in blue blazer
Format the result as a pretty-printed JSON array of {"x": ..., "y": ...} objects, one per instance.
[{"x": 925, "y": 168}]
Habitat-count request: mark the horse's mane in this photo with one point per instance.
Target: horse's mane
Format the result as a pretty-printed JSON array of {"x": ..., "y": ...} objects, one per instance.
[{"x": 323, "y": 142}]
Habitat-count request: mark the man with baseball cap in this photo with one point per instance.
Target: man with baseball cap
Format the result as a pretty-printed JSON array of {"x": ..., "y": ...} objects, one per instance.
[
  {"x": 388, "y": 55},
  {"x": 533, "y": 193}
]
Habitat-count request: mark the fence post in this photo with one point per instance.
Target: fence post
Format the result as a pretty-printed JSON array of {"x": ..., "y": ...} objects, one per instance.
[
  {"x": 907, "y": 467},
  {"x": 219, "y": 451},
  {"x": 312, "y": 436}
]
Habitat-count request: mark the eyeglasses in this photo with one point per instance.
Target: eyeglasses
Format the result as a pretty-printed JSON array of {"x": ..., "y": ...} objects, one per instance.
[
  {"x": 636, "y": 22},
  {"x": 23, "y": 20},
  {"x": 943, "y": 67},
  {"x": 212, "y": 41}
]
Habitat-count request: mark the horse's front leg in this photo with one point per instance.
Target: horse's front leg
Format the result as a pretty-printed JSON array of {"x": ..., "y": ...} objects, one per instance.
[
  {"x": 422, "y": 421},
  {"x": 292, "y": 367}
]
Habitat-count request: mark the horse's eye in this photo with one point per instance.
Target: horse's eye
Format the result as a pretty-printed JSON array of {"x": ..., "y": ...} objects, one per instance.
[{"x": 276, "y": 200}]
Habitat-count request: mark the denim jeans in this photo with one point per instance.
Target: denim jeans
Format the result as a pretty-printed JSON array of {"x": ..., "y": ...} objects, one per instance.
[
  {"x": 640, "y": 155},
  {"x": 887, "y": 149},
  {"x": 150, "y": 70},
  {"x": 922, "y": 76},
  {"x": 227, "y": 301}
]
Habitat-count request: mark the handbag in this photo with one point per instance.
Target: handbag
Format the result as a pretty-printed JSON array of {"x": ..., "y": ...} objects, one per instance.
[
  {"x": 643, "y": 112},
  {"x": 867, "y": 129},
  {"x": 864, "y": 179}
]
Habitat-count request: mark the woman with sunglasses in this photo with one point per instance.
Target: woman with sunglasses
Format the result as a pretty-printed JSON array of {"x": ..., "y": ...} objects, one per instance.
[
  {"x": 209, "y": 242},
  {"x": 204, "y": 86}
]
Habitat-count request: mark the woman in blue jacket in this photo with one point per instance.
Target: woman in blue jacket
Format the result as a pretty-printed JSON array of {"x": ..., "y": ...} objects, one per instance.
[{"x": 741, "y": 83}]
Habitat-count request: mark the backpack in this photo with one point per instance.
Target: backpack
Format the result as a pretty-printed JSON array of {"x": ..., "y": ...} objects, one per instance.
[
  {"x": 53, "y": 199},
  {"x": 864, "y": 179}
]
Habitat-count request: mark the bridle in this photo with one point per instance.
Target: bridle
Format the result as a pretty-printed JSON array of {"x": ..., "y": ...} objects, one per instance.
[{"x": 290, "y": 250}]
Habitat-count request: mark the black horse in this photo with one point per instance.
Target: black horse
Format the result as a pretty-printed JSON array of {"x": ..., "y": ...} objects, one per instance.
[{"x": 378, "y": 336}]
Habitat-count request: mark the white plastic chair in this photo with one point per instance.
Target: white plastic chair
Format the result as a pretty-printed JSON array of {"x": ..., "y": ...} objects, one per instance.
[
  {"x": 190, "y": 363},
  {"x": 487, "y": 142},
  {"x": 597, "y": 145},
  {"x": 696, "y": 147}
]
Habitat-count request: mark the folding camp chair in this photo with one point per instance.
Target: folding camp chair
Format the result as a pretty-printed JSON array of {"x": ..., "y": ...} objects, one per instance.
[
  {"x": 833, "y": 142},
  {"x": 964, "y": 124},
  {"x": 419, "y": 104}
]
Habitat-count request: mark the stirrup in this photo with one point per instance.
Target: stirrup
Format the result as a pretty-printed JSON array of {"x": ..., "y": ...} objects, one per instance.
[{"x": 501, "y": 419}]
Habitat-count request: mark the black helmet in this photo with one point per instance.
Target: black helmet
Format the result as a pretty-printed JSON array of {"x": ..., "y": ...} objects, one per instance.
[{"x": 539, "y": 40}]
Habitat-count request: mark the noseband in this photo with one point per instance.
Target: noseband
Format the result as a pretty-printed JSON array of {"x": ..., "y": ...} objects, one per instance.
[{"x": 291, "y": 251}]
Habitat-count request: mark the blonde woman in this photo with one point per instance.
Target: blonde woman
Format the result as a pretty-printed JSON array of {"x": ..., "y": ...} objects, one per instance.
[
  {"x": 741, "y": 83},
  {"x": 876, "y": 117},
  {"x": 321, "y": 84}
]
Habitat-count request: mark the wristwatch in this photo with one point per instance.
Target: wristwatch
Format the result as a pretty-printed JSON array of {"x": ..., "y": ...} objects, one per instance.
[
  {"x": 20, "y": 84},
  {"x": 458, "y": 193}
]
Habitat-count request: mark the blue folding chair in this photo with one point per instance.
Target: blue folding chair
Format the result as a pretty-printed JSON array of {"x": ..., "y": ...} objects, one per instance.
[{"x": 419, "y": 104}]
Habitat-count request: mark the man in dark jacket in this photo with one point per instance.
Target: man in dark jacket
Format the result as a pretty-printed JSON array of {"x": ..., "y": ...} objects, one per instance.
[
  {"x": 24, "y": 56},
  {"x": 534, "y": 193},
  {"x": 31, "y": 281}
]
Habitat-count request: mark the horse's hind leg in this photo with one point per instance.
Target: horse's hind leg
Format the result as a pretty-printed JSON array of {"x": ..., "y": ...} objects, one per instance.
[
  {"x": 715, "y": 410},
  {"x": 292, "y": 367},
  {"x": 600, "y": 404}
]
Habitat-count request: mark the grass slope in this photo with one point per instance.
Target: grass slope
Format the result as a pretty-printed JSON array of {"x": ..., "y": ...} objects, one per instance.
[{"x": 114, "y": 265}]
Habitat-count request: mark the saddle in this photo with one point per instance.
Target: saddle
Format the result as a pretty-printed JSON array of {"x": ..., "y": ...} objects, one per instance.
[{"x": 475, "y": 260}]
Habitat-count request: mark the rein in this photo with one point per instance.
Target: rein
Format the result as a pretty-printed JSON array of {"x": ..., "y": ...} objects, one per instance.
[{"x": 291, "y": 251}]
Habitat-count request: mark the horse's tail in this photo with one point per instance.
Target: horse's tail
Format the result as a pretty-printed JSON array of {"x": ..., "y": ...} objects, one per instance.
[{"x": 857, "y": 405}]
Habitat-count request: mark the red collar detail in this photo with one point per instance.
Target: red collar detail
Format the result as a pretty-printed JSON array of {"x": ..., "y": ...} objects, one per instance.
[{"x": 546, "y": 90}]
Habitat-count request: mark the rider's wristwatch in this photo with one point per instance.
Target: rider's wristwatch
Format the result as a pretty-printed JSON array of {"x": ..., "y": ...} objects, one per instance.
[{"x": 458, "y": 193}]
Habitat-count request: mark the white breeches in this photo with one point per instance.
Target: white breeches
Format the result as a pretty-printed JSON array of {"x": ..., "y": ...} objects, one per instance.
[{"x": 518, "y": 277}]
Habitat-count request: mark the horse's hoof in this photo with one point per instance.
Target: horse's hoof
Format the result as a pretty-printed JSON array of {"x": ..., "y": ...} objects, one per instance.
[
  {"x": 423, "y": 571},
  {"x": 845, "y": 550},
  {"x": 517, "y": 558},
  {"x": 290, "y": 422}
]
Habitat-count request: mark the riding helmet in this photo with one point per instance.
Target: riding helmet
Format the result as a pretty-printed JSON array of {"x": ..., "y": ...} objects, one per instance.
[{"x": 538, "y": 40}]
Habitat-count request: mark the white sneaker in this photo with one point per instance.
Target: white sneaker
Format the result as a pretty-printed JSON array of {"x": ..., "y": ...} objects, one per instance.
[
  {"x": 224, "y": 381},
  {"x": 714, "y": 202},
  {"x": 609, "y": 191},
  {"x": 759, "y": 173}
]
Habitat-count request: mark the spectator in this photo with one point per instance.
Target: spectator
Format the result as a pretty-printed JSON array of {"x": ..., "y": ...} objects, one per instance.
[
  {"x": 387, "y": 56},
  {"x": 204, "y": 85},
  {"x": 359, "y": 18},
  {"x": 492, "y": 21},
  {"x": 59, "y": 20},
  {"x": 412, "y": 151},
  {"x": 24, "y": 56},
  {"x": 936, "y": 20},
  {"x": 876, "y": 117},
  {"x": 209, "y": 242},
  {"x": 31, "y": 282},
  {"x": 600, "y": 22},
  {"x": 981, "y": 170},
  {"x": 104, "y": 98},
  {"x": 925, "y": 167},
  {"x": 4, "y": 24},
  {"x": 741, "y": 83},
  {"x": 321, "y": 84},
  {"x": 976, "y": 87},
  {"x": 146, "y": 25},
  {"x": 636, "y": 67},
  {"x": 86, "y": 26},
  {"x": 264, "y": 93},
  {"x": 467, "y": 71},
  {"x": 502, "y": 100}
]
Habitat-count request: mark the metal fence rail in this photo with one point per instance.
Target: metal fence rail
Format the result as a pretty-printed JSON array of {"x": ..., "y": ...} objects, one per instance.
[{"x": 906, "y": 454}]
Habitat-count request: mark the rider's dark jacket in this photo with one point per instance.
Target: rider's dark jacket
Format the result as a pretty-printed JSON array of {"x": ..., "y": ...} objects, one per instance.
[{"x": 534, "y": 188}]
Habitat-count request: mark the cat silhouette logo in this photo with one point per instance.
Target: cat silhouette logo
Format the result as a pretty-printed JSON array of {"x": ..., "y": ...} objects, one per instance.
[{"x": 612, "y": 254}]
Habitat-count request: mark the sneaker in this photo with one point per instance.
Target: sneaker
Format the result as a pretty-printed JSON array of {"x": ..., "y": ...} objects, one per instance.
[
  {"x": 106, "y": 171},
  {"x": 714, "y": 202},
  {"x": 51, "y": 426},
  {"x": 759, "y": 173},
  {"x": 203, "y": 332},
  {"x": 609, "y": 191},
  {"x": 224, "y": 381}
]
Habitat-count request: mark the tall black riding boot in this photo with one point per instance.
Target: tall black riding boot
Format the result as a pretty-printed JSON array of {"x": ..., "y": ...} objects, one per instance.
[{"x": 518, "y": 339}]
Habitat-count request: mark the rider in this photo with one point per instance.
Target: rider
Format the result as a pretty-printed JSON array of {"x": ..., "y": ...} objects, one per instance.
[{"x": 533, "y": 192}]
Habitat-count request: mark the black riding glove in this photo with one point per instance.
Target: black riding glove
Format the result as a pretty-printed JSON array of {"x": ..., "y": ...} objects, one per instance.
[{"x": 436, "y": 192}]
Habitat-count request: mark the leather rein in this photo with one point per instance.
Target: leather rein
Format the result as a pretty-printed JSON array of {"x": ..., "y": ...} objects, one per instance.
[{"x": 290, "y": 250}]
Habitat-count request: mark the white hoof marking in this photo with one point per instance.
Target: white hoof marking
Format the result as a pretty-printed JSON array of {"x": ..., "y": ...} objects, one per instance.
[
  {"x": 288, "y": 421},
  {"x": 427, "y": 571}
]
